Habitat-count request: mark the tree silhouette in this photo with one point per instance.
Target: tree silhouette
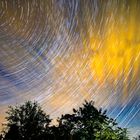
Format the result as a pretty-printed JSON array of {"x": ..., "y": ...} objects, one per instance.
[
  {"x": 88, "y": 123},
  {"x": 29, "y": 122},
  {"x": 26, "y": 122}
]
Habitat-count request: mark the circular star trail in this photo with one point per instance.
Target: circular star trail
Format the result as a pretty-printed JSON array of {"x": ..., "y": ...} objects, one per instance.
[{"x": 61, "y": 52}]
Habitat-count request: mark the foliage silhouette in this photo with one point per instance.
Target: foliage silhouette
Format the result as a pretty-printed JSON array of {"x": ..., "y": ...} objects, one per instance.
[
  {"x": 88, "y": 123},
  {"x": 29, "y": 122},
  {"x": 26, "y": 122}
]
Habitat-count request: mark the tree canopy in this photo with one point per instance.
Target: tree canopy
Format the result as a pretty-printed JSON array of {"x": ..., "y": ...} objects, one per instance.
[
  {"x": 29, "y": 122},
  {"x": 88, "y": 123},
  {"x": 26, "y": 122}
]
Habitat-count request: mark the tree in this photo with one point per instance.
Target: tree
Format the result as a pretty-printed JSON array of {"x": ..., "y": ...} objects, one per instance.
[
  {"x": 88, "y": 123},
  {"x": 26, "y": 122},
  {"x": 29, "y": 122}
]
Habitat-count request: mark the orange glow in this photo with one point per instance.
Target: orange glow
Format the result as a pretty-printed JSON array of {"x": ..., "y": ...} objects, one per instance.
[{"x": 118, "y": 56}]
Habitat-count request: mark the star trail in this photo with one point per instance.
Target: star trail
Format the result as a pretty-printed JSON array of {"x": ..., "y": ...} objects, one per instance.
[{"x": 62, "y": 52}]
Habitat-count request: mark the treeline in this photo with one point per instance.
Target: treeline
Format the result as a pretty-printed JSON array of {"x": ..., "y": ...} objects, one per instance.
[{"x": 29, "y": 122}]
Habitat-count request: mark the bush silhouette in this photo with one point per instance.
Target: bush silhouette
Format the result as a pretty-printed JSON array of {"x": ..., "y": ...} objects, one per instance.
[{"x": 29, "y": 122}]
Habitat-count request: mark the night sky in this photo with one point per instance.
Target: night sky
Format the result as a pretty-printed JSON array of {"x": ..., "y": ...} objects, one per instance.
[{"x": 62, "y": 52}]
